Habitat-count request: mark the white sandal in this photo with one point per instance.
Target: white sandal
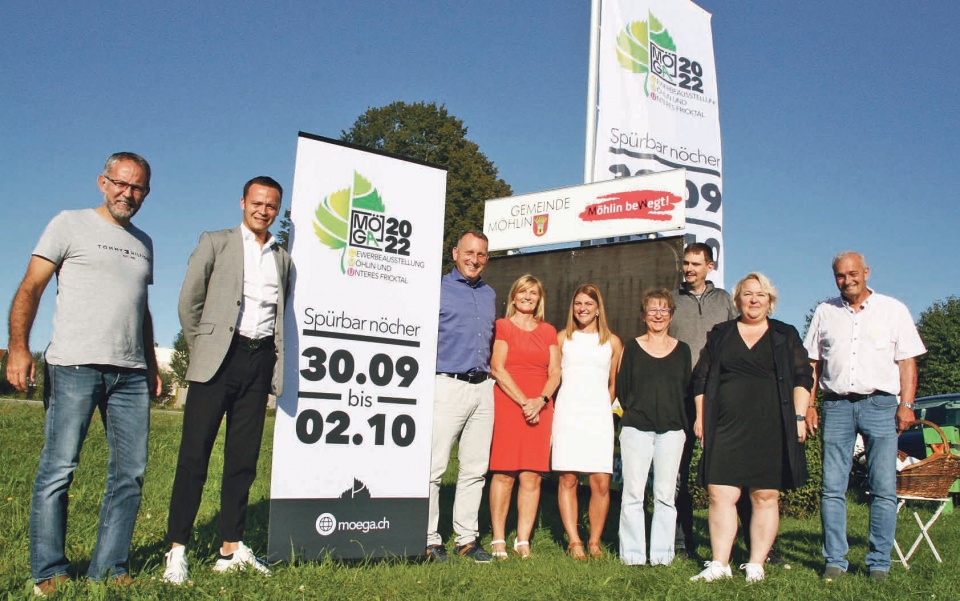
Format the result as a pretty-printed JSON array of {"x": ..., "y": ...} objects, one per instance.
[
  {"x": 521, "y": 543},
  {"x": 498, "y": 554}
]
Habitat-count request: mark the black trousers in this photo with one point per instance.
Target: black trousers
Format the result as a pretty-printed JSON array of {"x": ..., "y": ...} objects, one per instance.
[
  {"x": 239, "y": 390},
  {"x": 684, "y": 503}
]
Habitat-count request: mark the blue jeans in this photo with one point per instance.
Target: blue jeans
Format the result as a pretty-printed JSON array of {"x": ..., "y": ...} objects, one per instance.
[
  {"x": 875, "y": 418},
  {"x": 638, "y": 449},
  {"x": 72, "y": 394}
]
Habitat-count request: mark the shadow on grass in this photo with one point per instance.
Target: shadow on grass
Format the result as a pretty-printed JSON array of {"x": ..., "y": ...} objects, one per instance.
[
  {"x": 796, "y": 543},
  {"x": 799, "y": 547},
  {"x": 548, "y": 513}
]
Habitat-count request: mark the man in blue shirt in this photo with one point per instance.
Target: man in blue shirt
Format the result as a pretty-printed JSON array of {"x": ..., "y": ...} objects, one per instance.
[{"x": 463, "y": 406}]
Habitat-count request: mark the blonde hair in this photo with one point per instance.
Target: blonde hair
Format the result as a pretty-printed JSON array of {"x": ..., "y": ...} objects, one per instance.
[
  {"x": 593, "y": 292},
  {"x": 525, "y": 282},
  {"x": 765, "y": 284}
]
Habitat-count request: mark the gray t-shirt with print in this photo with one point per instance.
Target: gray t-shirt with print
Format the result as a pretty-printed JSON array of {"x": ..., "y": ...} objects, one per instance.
[{"x": 103, "y": 271}]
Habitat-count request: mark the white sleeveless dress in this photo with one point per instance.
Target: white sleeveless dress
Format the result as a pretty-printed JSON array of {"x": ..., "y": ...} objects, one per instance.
[{"x": 583, "y": 419}]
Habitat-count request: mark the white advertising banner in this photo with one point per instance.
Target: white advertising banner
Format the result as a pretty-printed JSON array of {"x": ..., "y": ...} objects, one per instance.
[
  {"x": 351, "y": 451},
  {"x": 621, "y": 207},
  {"x": 658, "y": 105}
]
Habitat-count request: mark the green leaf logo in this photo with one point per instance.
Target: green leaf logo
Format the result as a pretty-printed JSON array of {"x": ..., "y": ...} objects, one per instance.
[
  {"x": 633, "y": 47},
  {"x": 365, "y": 196},
  {"x": 331, "y": 221}
]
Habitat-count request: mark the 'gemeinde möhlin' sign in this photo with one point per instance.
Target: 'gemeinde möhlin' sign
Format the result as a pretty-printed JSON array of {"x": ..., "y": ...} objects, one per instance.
[{"x": 641, "y": 204}]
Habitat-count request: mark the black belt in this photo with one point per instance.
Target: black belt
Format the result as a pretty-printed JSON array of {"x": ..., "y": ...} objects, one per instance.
[
  {"x": 853, "y": 397},
  {"x": 470, "y": 378},
  {"x": 253, "y": 343}
]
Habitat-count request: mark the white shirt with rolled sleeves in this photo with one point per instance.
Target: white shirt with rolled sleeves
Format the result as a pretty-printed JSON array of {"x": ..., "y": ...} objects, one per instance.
[{"x": 859, "y": 350}]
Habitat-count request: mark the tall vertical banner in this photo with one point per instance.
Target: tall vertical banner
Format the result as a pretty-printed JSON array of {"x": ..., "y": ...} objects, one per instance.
[
  {"x": 658, "y": 105},
  {"x": 351, "y": 450}
]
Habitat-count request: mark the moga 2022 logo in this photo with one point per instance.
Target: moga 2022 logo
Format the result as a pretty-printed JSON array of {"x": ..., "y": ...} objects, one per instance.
[
  {"x": 354, "y": 217},
  {"x": 647, "y": 47}
]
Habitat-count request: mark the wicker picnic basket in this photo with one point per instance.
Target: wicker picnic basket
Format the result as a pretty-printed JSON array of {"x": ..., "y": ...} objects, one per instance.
[{"x": 930, "y": 478}]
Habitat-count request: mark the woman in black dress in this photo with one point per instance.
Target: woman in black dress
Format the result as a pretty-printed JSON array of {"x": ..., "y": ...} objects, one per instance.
[{"x": 752, "y": 386}]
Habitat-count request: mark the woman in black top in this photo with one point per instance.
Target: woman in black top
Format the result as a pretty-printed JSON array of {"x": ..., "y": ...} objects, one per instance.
[
  {"x": 653, "y": 376},
  {"x": 751, "y": 386}
]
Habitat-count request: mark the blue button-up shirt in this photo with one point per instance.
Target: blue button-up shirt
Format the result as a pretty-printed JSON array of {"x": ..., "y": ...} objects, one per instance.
[{"x": 467, "y": 315}]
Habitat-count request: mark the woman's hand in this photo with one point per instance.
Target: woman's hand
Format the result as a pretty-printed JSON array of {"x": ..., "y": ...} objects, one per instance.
[
  {"x": 698, "y": 422},
  {"x": 802, "y": 431},
  {"x": 531, "y": 409}
]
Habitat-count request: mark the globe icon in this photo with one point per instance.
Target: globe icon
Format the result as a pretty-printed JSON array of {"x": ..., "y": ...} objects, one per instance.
[{"x": 326, "y": 524}]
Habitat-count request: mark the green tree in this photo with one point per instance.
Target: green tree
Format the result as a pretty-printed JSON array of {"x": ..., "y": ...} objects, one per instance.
[
  {"x": 426, "y": 132},
  {"x": 180, "y": 359},
  {"x": 167, "y": 382},
  {"x": 938, "y": 370},
  {"x": 283, "y": 236}
]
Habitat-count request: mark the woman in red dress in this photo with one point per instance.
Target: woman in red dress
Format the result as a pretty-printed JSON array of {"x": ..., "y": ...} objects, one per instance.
[{"x": 526, "y": 367}]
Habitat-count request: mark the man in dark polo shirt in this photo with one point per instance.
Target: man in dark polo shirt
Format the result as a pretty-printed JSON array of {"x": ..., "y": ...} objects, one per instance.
[{"x": 463, "y": 407}]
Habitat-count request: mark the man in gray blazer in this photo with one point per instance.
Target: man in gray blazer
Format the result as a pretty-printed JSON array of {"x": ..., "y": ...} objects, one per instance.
[{"x": 231, "y": 311}]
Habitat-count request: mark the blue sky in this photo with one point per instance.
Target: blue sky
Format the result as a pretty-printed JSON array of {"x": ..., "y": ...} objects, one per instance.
[{"x": 838, "y": 119}]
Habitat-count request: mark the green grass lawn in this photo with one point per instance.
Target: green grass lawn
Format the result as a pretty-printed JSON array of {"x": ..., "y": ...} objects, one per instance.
[{"x": 548, "y": 575}]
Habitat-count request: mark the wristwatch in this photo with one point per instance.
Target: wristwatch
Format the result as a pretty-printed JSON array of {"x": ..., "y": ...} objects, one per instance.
[
  {"x": 909, "y": 406},
  {"x": 801, "y": 418}
]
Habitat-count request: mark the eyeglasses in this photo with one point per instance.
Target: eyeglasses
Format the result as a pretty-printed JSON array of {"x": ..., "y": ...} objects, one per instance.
[
  {"x": 141, "y": 190},
  {"x": 656, "y": 310}
]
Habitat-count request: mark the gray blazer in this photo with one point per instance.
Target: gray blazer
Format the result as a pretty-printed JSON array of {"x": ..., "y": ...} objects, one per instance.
[{"x": 210, "y": 302}]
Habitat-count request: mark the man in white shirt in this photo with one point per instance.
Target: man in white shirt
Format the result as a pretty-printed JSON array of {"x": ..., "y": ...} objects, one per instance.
[
  {"x": 863, "y": 347},
  {"x": 231, "y": 310}
]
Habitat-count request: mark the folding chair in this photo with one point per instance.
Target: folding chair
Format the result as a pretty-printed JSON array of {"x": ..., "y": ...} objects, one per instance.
[
  {"x": 927, "y": 481},
  {"x": 924, "y": 527}
]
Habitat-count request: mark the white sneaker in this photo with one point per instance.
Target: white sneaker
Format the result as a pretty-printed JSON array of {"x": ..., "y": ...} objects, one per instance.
[
  {"x": 239, "y": 560},
  {"x": 176, "y": 570},
  {"x": 714, "y": 571},
  {"x": 754, "y": 571}
]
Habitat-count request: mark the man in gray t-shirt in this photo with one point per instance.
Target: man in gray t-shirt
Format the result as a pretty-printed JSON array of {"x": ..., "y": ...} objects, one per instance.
[{"x": 100, "y": 354}]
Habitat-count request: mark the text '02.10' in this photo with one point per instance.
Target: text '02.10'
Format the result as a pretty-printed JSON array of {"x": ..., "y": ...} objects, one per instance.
[{"x": 311, "y": 426}]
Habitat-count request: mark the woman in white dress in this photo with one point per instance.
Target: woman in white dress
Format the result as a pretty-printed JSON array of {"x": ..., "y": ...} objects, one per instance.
[{"x": 583, "y": 422}]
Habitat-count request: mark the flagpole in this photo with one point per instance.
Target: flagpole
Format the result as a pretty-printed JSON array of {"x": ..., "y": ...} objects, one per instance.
[{"x": 592, "y": 77}]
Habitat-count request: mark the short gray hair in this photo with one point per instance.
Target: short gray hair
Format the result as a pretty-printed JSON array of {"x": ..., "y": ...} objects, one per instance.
[
  {"x": 116, "y": 157},
  {"x": 844, "y": 255}
]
